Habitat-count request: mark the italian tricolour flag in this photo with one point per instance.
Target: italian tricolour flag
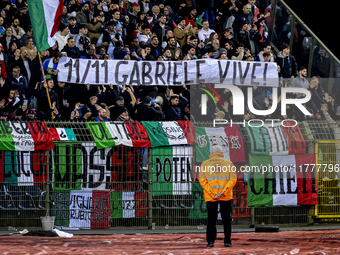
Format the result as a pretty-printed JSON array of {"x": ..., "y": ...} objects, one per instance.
[
  {"x": 45, "y": 18},
  {"x": 282, "y": 180}
]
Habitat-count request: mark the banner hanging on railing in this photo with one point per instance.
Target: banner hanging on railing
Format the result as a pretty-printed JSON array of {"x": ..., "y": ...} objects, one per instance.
[
  {"x": 275, "y": 140},
  {"x": 23, "y": 168},
  {"x": 128, "y": 133},
  {"x": 84, "y": 209},
  {"x": 229, "y": 138},
  {"x": 142, "y": 134},
  {"x": 62, "y": 134},
  {"x": 24, "y": 136},
  {"x": 167, "y": 73},
  {"x": 81, "y": 166},
  {"x": 172, "y": 167},
  {"x": 282, "y": 180}
]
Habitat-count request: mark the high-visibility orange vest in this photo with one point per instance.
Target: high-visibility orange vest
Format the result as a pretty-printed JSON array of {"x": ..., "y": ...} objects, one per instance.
[{"x": 216, "y": 175}]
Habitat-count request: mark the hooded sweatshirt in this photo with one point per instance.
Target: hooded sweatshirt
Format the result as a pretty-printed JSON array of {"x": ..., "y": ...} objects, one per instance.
[{"x": 288, "y": 65}]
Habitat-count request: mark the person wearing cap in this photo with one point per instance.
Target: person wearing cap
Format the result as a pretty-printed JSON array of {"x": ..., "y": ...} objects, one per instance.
[
  {"x": 31, "y": 115},
  {"x": 181, "y": 31},
  {"x": 135, "y": 9},
  {"x": 148, "y": 110},
  {"x": 62, "y": 36},
  {"x": 149, "y": 16},
  {"x": 123, "y": 114},
  {"x": 24, "y": 19},
  {"x": 217, "y": 180},
  {"x": 19, "y": 115},
  {"x": 85, "y": 114},
  {"x": 110, "y": 37}
]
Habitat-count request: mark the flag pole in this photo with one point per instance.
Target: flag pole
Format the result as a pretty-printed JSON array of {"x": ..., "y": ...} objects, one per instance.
[{"x": 47, "y": 93}]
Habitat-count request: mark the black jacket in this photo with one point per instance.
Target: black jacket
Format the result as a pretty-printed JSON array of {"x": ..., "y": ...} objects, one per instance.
[
  {"x": 19, "y": 84},
  {"x": 148, "y": 113},
  {"x": 43, "y": 101},
  {"x": 288, "y": 65},
  {"x": 72, "y": 52},
  {"x": 3, "y": 41},
  {"x": 174, "y": 112},
  {"x": 240, "y": 20},
  {"x": 160, "y": 31},
  {"x": 156, "y": 51}
]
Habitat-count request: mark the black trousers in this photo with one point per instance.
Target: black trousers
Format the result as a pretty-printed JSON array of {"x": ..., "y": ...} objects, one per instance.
[{"x": 226, "y": 209}]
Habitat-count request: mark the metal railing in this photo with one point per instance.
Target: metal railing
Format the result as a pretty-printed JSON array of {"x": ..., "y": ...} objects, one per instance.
[
  {"x": 287, "y": 27},
  {"x": 109, "y": 188},
  {"x": 328, "y": 176}
]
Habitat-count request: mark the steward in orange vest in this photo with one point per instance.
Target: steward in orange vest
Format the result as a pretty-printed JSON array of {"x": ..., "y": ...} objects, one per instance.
[{"x": 217, "y": 177}]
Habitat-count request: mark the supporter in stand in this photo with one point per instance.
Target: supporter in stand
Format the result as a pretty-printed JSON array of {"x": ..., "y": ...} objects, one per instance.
[{"x": 147, "y": 31}]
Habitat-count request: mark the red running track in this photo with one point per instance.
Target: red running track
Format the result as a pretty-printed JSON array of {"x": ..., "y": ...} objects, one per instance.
[{"x": 289, "y": 242}]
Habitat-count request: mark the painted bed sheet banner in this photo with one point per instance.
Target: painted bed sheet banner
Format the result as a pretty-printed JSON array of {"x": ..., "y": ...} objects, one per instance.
[
  {"x": 93, "y": 209},
  {"x": 172, "y": 170},
  {"x": 62, "y": 134},
  {"x": 275, "y": 140},
  {"x": 167, "y": 73},
  {"x": 24, "y": 136},
  {"x": 229, "y": 138},
  {"x": 90, "y": 186},
  {"x": 282, "y": 180},
  {"x": 81, "y": 166},
  {"x": 142, "y": 134},
  {"x": 19, "y": 168},
  {"x": 84, "y": 209}
]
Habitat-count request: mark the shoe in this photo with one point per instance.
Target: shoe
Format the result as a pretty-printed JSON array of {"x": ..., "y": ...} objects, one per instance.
[
  {"x": 211, "y": 244},
  {"x": 228, "y": 245}
]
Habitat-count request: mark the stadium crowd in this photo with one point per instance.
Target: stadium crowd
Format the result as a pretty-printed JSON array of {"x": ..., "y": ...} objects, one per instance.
[{"x": 151, "y": 30}]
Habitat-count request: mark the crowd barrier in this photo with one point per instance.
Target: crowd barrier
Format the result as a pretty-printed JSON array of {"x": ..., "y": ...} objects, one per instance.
[{"x": 121, "y": 186}]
